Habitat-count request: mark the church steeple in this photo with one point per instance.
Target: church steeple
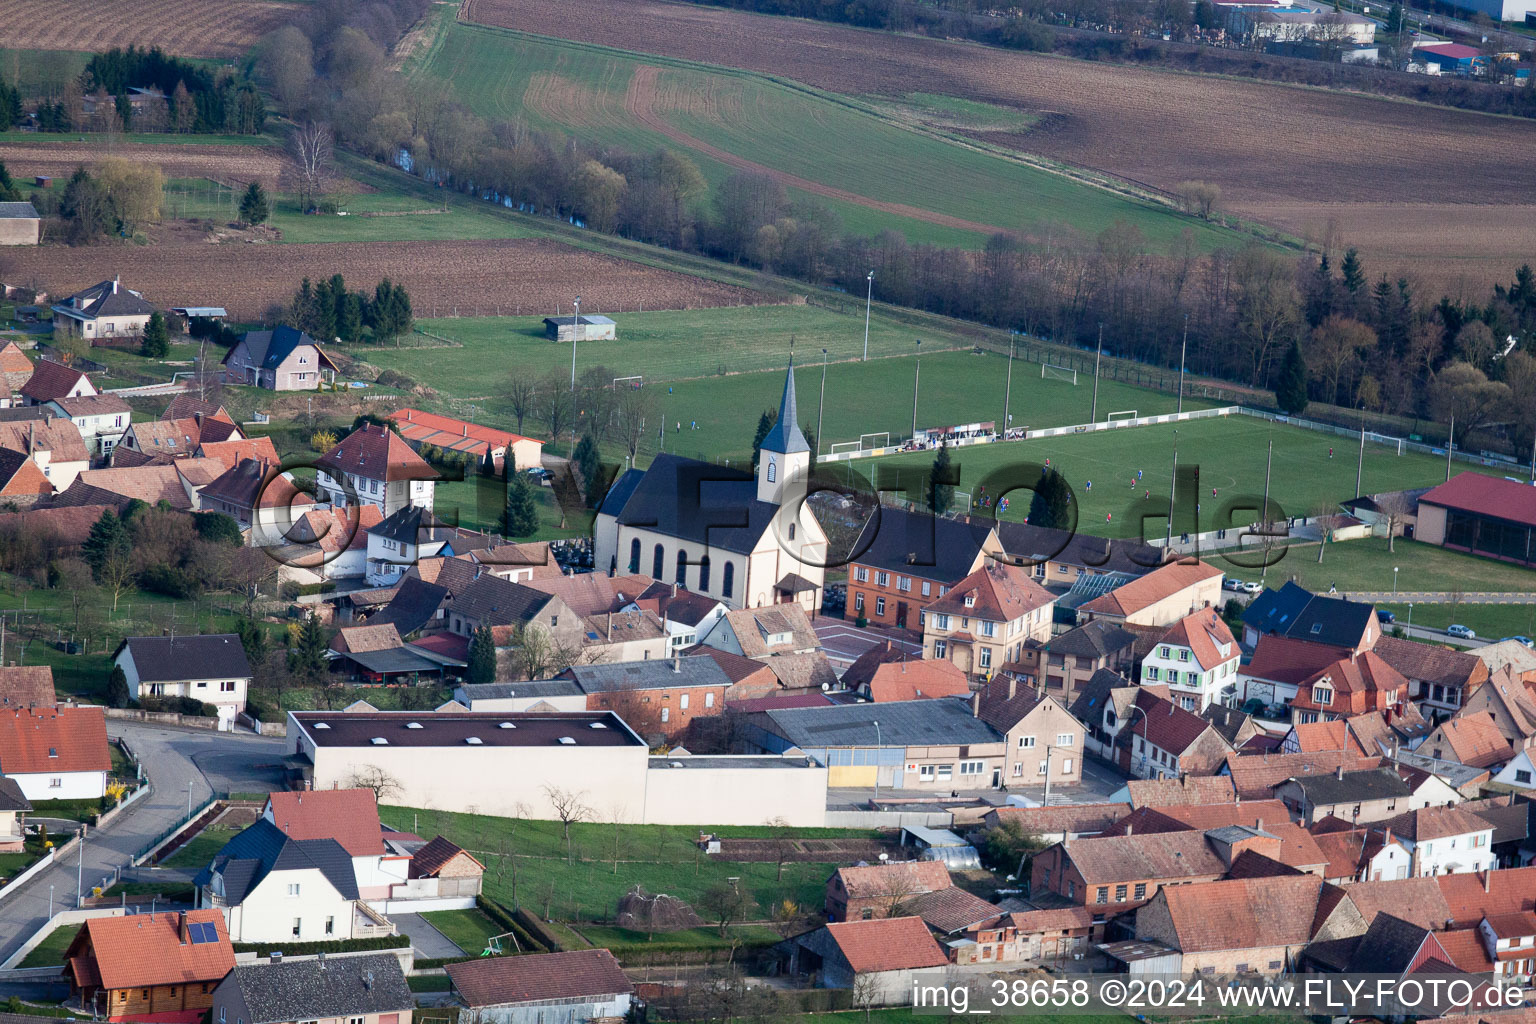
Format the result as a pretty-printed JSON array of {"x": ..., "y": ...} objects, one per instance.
[
  {"x": 785, "y": 454},
  {"x": 786, "y": 436}
]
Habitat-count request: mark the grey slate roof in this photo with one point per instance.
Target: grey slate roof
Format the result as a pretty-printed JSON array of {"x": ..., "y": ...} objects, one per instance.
[
  {"x": 1372, "y": 784},
  {"x": 269, "y": 348},
  {"x": 618, "y": 494},
  {"x": 263, "y": 848},
  {"x": 393, "y": 661},
  {"x": 660, "y": 674},
  {"x": 11, "y": 796},
  {"x": 1226, "y": 721},
  {"x": 697, "y": 502},
  {"x": 918, "y": 544},
  {"x": 533, "y": 688},
  {"x": 108, "y": 298},
  {"x": 1038, "y": 543},
  {"x": 1091, "y": 640},
  {"x": 786, "y": 435},
  {"x": 20, "y": 211},
  {"x": 1089, "y": 705},
  {"x": 414, "y": 604},
  {"x": 1299, "y": 614},
  {"x": 944, "y": 721},
  {"x": 199, "y": 656},
  {"x": 1388, "y": 946},
  {"x": 493, "y": 601},
  {"x": 316, "y": 989}
]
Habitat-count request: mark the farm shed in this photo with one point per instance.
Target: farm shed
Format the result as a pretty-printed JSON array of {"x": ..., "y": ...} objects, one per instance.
[
  {"x": 585, "y": 328},
  {"x": 1455, "y": 58},
  {"x": 19, "y": 224}
]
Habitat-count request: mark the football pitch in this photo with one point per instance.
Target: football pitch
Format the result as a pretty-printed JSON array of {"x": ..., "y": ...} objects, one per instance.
[{"x": 1229, "y": 453}]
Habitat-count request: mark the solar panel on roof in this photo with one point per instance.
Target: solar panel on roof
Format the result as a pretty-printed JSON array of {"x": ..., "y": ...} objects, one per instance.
[{"x": 202, "y": 932}]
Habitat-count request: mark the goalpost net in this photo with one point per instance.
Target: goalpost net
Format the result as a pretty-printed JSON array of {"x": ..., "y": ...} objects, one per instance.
[
  {"x": 878, "y": 439},
  {"x": 1050, "y": 371},
  {"x": 1123, "y": 414},
  {"x": 1386, "y": 440},
  {"x": 846, "y": 446},
  {"x": 633, "y": 382}
]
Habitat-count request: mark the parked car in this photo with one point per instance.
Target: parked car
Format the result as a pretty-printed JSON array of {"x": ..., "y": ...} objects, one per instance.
[
  {"x": 1253, "y": 588},
  {"x": 1232, "y": 583},
  {"x": 1523, "y": 641},
  {"x": 1382, "y": 615},
  {"x": 1462, "y": 631}
]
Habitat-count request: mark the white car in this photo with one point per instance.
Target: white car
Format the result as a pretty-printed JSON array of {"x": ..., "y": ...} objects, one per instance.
[
  {"x": 1232, "y": 583},
  {"x": 1462, "y": 631},
  {"x": 1254, "y": 587}
]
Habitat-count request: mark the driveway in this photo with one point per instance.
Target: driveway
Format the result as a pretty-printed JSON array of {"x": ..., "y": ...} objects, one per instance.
[
  {"x": 425, "y": 939},
  {"x": 183, "y": 764}
]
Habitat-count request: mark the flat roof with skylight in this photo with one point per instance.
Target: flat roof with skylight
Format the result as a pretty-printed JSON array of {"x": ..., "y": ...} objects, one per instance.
[{"x": 468, "y": 728}]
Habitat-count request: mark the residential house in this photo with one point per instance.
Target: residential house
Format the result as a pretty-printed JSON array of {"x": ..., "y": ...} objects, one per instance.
[
  {"x": 101, "y": 419},
  {"x": 1166, "y": 741},
  {"x": 688, "y": 616},
  {"x": 1318, "y": 633},
  {"x": 488, "y": 445},
  {"x": 103, "y": 311},
  {"x": 914, "y": 680},
  {"x": 1255, "y": 776},
  {"x": 26, "y": 686},
  {"x": 1358, "y": 797},
  {"x": 747, "y": 540},
  {"x": 656, "y": 698},
  {"x": 1114, "y": 874},
  {"x": 1270, "y": 816},
  {"x": 1391, "y": 946},
  {"x": 149, "y": 967},
  {"x": 15, "y": 370},
  {"x": 763, "y": 633},
  {"x": 1327, "y": 734},
  {"x": 1296, "y": 613},
  {"x": 1440, "y": 678},
  {"x": 55, "y": 753},
  {"x": 881, "y": 890},
  {"x": 260, "y": 498},
  {"x": 1510, "y": 816},
  {"x": 369, "y": 989},
  {"x": 22, "y": 483},
  {"x": 1197, "y": 659},
  {"x": 1236, "y": 727},
  {"x": 1519, "y": 773},
  {"x": 158, "y": 442},
  {"x": 412, "y": 533},
  {"x": 373, "y": 466},
  {"x": 577, "y": 985},
  {"x": 444, "y": 870},
  {"x": 1471, "y": 739},
  {"x": 329, "y": 544},
  {"x": 1188, "y": 791},
  {"x": 1246, "y": 926},
  {"x": 1042, "y": 743},
  {"x": 985, "y": 620},
  {"x": 1511, "y": 654},
  {"x": 1510, "y": 940},
  {"x": 1510, "y": 701},
  {"x": 351, "y": 817},
  {"x": 14, "y": 806},
  {"x": 52, "y": 380},
  {"x": 935, "y": 745},
  {"x": 211, "y": 667},
  {"x": 52, "y": 442},
  {"x": 1161, "y": 597},
  {"x": 1102, "y": 706},
  {"x": 1067, "y": 557},
  {"x": 1347, "y": 687},
  {"x": 910, "y": 559},
  {"x": 538, "y": 695},
  {"x": 1055, "y": 934},
  {"x": 885, "y": 951},
  {"x": 1072, "y": 658},
  {"x": 272, "y": 888},
  {"x": 1398, "y": 728},
  {"x": 1053, "y": 823},
  {"x": 187, "y": 405},
  {"x": 282, "y": 359},
  {"x": 1442, "y": 840},
  {"x": 1360, "y": 854},
  {"x": 177, "y": 485}
]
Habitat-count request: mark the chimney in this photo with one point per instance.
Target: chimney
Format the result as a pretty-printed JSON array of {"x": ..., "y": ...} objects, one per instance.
[
  {"x": 1013, "y": 686},
  {"x": 610, "y": 626},
  {"x": 181, "y": 928},
  {"x": 677, "y": 663},
  {"x": 115, "y": 282},
  {"x": 32, "y": 439},
  {"x": 1128, "y": 827},
  {"x": 975, "y": 702},
  {"x": 1339, "y": 772},
  {"x": 1387, "y": 836}
]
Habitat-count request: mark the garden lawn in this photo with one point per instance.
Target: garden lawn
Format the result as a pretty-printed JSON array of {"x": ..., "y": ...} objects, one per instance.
[
  {"x": 429, "y": 982},
  {"x": 1229, "y": 453},
  {"x": 470, "y": 930},
  {"x": 477, "y": 503},
  {"x": 661, "y": 858},
  {"x": 1366, "y": 565},
  {"x": 50, "y": 951},
  {"x": 1489, "y": 621},
  {"x": 705, "y": 937},
  {"x": 198, "y": 851}
]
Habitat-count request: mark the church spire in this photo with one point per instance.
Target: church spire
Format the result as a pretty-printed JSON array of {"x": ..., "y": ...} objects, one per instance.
[{"x": 786, "y": 436}]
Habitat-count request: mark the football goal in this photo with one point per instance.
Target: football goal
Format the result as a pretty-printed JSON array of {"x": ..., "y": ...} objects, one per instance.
[
  {"x": 1386, "y": 440},
  {"x": 633, "y": 382},
  {"x": 1049, "y": 371},
  {"x": 1123, "y": 414},
  {"x": 845, "y": 446},
  {"x": 878, "y": 439}
]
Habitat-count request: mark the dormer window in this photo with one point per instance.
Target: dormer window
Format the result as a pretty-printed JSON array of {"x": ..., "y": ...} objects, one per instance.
[
  {"x": 1322, "y": 695},
  {"x": 970, "y": 600}
]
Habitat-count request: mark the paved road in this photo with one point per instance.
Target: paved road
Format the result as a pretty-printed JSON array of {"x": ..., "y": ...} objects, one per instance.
[
  {"x": 177, "y": 760},
  {"x": 426, "y": 939}
]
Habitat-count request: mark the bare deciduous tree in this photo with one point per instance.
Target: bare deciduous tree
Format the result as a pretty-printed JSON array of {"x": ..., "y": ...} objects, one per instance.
[
  {"x": 784, "y": 845},
  {"x": 117, "y": 577},
  {"x": 522, "y": 396},
  {"x": 371, "y": 776},
  {"x": 866, "y": 993},
  {"x": 725, "y": 904},
  {"x": 310, "y": 144},
  {"x": 1395, "y": 508},
  {"x": 569, "y": 807}
]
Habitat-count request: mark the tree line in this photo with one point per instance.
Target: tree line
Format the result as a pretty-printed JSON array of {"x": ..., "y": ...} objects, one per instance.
[{"x": 327, "y": 309}]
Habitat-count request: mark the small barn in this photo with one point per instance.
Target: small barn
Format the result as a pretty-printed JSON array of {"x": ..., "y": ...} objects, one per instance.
[
  {"x": 582, "y": 328},
  {"x": 19, "y": 224}
]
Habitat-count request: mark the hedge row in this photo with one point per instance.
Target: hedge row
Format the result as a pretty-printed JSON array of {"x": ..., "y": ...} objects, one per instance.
[{"x": 332, "y": 946}]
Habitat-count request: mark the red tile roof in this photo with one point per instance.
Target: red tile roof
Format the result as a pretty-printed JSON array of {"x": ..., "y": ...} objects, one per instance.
[
  {"x": 1470, "y": 739},
  {"x": 1165, "y": 725},
  {"x": 1359, "y": 684},
  {"x": 1191, "y": 789},
  {"x": 887, "y": 944},
  {"x": 1490, "y": 496},
  {"x": 52, "y": 380},
  {"x": 1204, "y": 633},
  {"x": 54, "y": 739},
  {"x": 999, "y": 592},
  {"x": 14, "y": 360},
  {"x": 447, "y": 432},
  {"x": 1112, "y": 858},
  {"x": 1510, "y": 891},
  {"x": 1246, "y": 913},
  {"x": 1333, "y": 734},
  {"x": 68, "y": 526},
  {"x": 20, "y": 476},
  {"x": 910, "y": 680},
  {"x": 1255, "y": 775},
  {"x": 1431, "y": 663},
  {"x": 1429, "y": 823},
  {"x": 349, "y": 816},
  {"x": 433, "y": 857},
  {"x": 367, "y": 638},
  {"x": 1200, "y": 817},
  {"x": 1286, "y": 660},
  {"x": 26, "y": 686},
  {"x": 1162, "y": 582},
  {"x": 905, "y": 877},
  {"x": 58, "y": 436},
  {"x": 146, "y": 950},
  {"x": 375, "y": 453},
  {"x": 543, "y": 976},
  {"x": 232, "y": 452},
  {"x": 1465, "y": 948}
]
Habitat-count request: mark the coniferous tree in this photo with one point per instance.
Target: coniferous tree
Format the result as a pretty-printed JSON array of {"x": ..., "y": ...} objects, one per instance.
[
  {"x": 9, "y": 193},
  {"x": 117, "y": 688},
  {"x": 157, "y": 339},
  {"x": 254, "y": 639},
  {"x": 941, "y": 482},
  {"x": 590, "y": 467},
  {"x": 1354, "y": 272},
  {"x": 108, "y": 537},
  {"x": 1051, "y": 504},
  {"x": 520, "y": 517},
  {"x": 253, "y": 205},
  {"x": 765, "y": 423},
  {"x": 1291, "y": 388},
  {"x": 482, "y": 657},
  {"x": 306, "y": 654}
]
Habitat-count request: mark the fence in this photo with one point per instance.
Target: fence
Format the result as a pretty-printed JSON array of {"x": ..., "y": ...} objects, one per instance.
[
  {"x": 1386, "y": 440},
  {"x": 164, "y": 718},
  {"x": 154, "y": 845}
]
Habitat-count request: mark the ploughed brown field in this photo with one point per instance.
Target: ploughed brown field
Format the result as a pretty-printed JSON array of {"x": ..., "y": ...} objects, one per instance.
[
  {"x": 232, "y": 165},
  {"x": 1417, "y": 187},
  {"x": 185, "y": 28},
  {"x": 483, "y": 278}
]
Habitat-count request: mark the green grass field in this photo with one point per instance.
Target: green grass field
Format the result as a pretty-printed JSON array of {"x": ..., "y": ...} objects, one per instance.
[
  {"x": 1230, "y": 454},
  {"x": 660, "y": 858},
  {"x": 200, "y": 849},
  {"x": 470, "y": 930},
  {"x": 1489, "y": 621},
  {"x": 833, "y": 141},
  {"x": 1366, "y": 565},
  {"x": 50, "y": 951}
]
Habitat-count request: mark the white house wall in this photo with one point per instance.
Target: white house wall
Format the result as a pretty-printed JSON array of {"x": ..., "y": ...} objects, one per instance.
[
  {"x": 736, "y": 796},
  {"x": 62, "y": 785},
  {"x": 267, "y": 912}
]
